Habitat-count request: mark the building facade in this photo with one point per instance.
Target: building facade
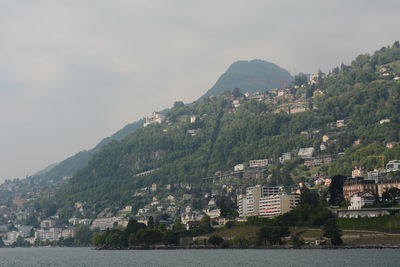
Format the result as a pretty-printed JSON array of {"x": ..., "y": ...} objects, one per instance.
[
  {"x": 358, "y": 185},
  {"x": 275, "y": 205}
]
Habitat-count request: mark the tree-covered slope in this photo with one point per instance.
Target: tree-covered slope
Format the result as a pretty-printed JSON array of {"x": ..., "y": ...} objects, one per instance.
[
  {"x": 71, "y": 165},
  {"x": 182, "y": 152},
  {"x": 250, "y": 76},
  {"x": 52, "y": 176}
]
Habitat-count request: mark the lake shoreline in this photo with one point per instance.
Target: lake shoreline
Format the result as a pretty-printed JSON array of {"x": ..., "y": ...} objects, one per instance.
[{"x": 255, "y": 248}]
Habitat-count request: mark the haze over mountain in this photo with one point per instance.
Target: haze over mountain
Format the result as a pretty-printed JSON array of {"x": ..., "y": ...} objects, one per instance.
[
  {"x": 73, "y": 72},
  {"x": 251, "y": 76}
]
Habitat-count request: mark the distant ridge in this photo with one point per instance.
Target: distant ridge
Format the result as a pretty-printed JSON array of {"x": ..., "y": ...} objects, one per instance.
[{"x": 250, "y": 76}]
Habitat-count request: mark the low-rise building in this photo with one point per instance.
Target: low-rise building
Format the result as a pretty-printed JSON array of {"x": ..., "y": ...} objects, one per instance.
[
  {"x": 238, "y": 167},
  {"x": 317, "y": 161},
  {"x": 393, "y": 165},
  {"x": 213, "y": 213},
  {"x": 306, "y": 152},
  {"x": 106, "y": 223},
  {"x": 357, "y": 201},
  {"x": 191, "y": 217},
  {"x": 357, "y": 172},
  {"x": 255, "y": 163},
  {"x": 255, "y": 173},
  {"x": 48, "y": 223},
  {"x": 286, "y": 156},
  {"x": 340, "y": 123}
]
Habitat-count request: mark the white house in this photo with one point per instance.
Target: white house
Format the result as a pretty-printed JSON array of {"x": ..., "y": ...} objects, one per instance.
[
  {"x": 238, "y": 167},
  {"x": 359, "y": 201}
]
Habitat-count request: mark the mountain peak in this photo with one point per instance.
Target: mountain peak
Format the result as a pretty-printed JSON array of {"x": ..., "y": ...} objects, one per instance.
[{"x": 250, "y": 76}]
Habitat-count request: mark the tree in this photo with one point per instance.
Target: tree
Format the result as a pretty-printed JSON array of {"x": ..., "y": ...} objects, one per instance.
[
  {"x": 205, "y": 223},
  {"x": 336, "y": 189},
  {"x": 83, "y": 235},
  {"x": 20, "y": 242},
  {"x": 332, "y": 231},
  {"x": 178, "y": 104},
  {"x": 310, "y": 197},
  {"x": 150, "y": 222},
  {"x": 178, "y": 226},
  {"x": 215, "y": 240},
  {"x": 297, "y": 241},
  {"x": 170, "y": 238},
  {"x": 272, "y": 235},
  {"x": 146, "y": 237},
  {"x": 133, "y": 226},
  {"x": 300, "y": 79}
]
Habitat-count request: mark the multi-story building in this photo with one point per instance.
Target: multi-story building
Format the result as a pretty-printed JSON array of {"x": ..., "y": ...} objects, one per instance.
[
  {"x": 249, "y": 204},
  {"x": 51, "y": 234},
  {"x": 275, "y": 205},
  {"x": 358, "y": 185},
  {"x": 386, "y": 184}
]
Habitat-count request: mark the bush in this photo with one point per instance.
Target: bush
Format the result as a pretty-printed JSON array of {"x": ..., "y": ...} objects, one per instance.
[{"x": 215, "y": 240}]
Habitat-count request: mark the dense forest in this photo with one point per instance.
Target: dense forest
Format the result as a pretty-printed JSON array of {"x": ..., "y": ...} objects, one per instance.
[{"x": 182, "y": 152}]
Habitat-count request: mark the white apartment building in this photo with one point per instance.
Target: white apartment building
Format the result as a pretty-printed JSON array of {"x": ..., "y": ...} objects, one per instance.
[
  {"x": 249, "y": 204},
  {"x": 51, "y": 234}
]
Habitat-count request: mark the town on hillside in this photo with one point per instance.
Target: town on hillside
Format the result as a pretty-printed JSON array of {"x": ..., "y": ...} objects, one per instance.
[{"x": 302, "y": 193}]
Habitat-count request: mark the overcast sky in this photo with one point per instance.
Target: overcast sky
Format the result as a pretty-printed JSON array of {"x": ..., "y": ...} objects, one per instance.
[{"x": 73, "y": 72}]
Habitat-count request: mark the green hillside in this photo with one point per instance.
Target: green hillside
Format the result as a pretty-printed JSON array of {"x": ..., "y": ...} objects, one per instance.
[
  {"x": 250, "y": 76},
  {"x": 182, "y": 152},
  {"x": 55, "y": 174}
]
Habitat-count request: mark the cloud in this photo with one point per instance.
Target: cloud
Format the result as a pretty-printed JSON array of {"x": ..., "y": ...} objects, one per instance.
[{"x": 73, "y": 72}]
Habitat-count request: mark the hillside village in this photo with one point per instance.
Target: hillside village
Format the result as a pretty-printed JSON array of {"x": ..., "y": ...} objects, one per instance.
[{"x": 246, "y": 189}]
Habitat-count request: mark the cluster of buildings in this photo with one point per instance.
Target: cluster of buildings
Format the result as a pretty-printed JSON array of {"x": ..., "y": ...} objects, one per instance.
[
  {"x": 48, "y": 230},
  {"x": 265, "y": 201},
  {"x": 362, "y": 191}
]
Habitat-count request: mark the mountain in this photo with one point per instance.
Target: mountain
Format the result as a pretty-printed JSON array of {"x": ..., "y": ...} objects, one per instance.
[
  {"x": 53, "y": 175},
  {"x": 231, "y": 129},
  {"x": 251, "y": 76},
  {"x": 69, "y": 166}
]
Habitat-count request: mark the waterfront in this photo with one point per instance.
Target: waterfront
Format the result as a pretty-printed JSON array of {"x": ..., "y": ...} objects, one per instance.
[{"x": 225, "y": 257}]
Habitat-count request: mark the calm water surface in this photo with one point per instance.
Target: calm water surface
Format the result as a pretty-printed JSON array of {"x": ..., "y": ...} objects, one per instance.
[{"x": 89, "y": 257}]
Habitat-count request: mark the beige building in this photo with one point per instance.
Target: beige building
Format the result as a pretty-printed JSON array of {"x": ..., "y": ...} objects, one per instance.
[
  {"x": 275, "y": 205},
  {"x": 249, "y": 204},
  {"x": 358, "y": 185},
  {"x": 258, "y": 163},
  {"x": 386, "y": 184}
]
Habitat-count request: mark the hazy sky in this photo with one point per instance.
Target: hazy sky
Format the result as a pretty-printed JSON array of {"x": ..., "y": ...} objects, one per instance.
[{"x": 73, "y": 72}]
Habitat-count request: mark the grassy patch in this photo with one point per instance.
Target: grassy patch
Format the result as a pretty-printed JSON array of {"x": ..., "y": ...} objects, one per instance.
[{"x": 389, "y": 224}]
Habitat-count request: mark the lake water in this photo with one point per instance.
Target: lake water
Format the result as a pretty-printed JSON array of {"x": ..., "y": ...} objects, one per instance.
[{"x": 226, "y": 257}]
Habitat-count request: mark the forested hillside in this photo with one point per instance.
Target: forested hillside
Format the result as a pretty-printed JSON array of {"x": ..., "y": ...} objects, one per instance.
[{"x": 178, "y": 151}]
